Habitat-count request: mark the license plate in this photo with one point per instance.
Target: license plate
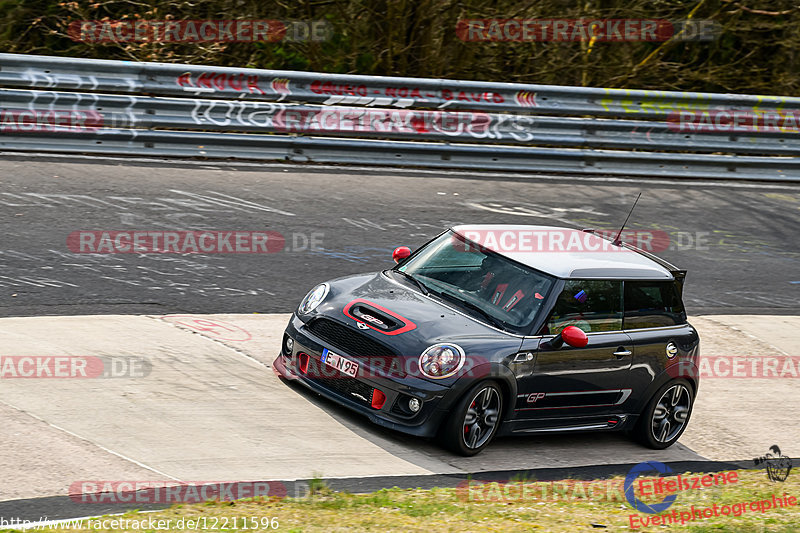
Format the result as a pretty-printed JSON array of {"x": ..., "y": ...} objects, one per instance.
[{"x": 342, "y": 364}]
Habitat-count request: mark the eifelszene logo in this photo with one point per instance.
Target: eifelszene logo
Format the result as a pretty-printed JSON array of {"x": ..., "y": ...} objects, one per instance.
[
  {"x": 656, "y": 486},
  {"x": 630, "y": 495}
]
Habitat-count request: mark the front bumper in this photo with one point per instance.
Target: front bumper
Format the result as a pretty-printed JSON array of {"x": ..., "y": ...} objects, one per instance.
[{"x": 355, "y": 393}]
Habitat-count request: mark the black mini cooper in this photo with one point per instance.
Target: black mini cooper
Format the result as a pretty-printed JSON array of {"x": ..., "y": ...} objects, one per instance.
[{"x": 497, "y": 329}]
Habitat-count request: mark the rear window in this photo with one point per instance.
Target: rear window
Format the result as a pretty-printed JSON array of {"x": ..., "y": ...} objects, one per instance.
[{"x": 652, "y": 304}]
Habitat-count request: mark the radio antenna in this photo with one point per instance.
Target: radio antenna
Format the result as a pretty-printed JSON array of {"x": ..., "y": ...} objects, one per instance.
[{"x": 617, "y": 240}]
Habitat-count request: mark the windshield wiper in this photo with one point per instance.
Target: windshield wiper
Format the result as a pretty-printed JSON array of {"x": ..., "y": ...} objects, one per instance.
[
  {"x": 485, "y": 314},
  {"x": 415, "y": 281}
]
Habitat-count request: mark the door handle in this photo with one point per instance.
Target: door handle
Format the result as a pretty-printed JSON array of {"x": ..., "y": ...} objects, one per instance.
[{"x": 622, "y": 352}]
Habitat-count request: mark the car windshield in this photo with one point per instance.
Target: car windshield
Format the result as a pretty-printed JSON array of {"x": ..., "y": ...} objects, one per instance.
[{"x": 479, "y": 281}]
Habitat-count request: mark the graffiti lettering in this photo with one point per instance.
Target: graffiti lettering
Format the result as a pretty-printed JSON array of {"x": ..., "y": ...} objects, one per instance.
[
  {"x": 464, "y": 96},
  {"x": 285, "y": 118},
  {"x": 220, "y": 81},
  {"x": 327, "y": 87}
]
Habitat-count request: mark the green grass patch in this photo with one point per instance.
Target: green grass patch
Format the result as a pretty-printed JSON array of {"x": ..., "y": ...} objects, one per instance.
[{"x": 567, "y": 508}]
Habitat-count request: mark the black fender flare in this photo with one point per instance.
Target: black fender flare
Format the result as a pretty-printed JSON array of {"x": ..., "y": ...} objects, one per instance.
[
  {"x": 688, "y": 371},
  {"x": 488, "y": 371}
]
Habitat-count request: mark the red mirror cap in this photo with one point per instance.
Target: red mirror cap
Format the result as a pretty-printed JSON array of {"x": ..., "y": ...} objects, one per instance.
[
  {"x": 575, "y": 337},
  {"x": 400, "y": 253}
]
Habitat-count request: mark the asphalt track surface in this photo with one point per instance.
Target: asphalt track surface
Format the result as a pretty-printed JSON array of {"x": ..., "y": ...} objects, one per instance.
[
  {"x": 739, "y": 241},
  {"x": 210, "y": 408}
]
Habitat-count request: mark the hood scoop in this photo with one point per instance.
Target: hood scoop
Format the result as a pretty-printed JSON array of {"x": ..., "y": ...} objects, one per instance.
[
  {"x": 374, "y": 317},
  {"x": 371, "y": 315}
]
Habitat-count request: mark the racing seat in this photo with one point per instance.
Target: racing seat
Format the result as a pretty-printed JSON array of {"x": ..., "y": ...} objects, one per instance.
[
  {"x": 506, "y": 293},
  {"x": 505, "y": 286}
]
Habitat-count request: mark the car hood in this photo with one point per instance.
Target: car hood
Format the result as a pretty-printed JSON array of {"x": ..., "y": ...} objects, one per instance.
[{"x": 411, "y": 320}]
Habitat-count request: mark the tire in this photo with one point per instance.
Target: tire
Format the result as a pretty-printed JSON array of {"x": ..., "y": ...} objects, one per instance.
[
  {"x": 474, "y": 421},
  {"x": 666, "y": 416}
]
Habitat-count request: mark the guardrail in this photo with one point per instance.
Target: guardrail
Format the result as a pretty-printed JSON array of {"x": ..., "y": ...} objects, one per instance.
[{"x": 93, "y": 106}]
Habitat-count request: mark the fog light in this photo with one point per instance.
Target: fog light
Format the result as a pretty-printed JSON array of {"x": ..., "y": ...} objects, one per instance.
[
  {"x": 288, "y": 345},
  {"x": 413, "y": 405}
]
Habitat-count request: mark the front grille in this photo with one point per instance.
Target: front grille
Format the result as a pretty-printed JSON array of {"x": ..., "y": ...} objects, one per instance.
[
  {"x": 348, "y": 387},
  {"x": 348, "y": 340}
]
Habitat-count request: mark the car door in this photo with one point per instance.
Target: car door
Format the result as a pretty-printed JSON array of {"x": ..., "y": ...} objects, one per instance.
[
  {"x": 655, "y": 321},
  {"x": 559, "y": 387}
]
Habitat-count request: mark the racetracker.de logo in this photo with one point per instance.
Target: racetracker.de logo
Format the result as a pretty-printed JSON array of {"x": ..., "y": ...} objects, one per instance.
[
  {"x": 540, "y": 491},
  {"x": 733, "y": 120},
  {"x": 572, "y": 30},
  {"x": 378, "y": 366},
  {"x": 559, "y": 240},
  {"x": 58, "y": 120},
  {"x": 175, "y": 242},
  {"x": 170, "y": 492},
  {"x": 69, "y": 367},
  {"x": 192, "y": 31},
  {"x": 737, "y": 367}
]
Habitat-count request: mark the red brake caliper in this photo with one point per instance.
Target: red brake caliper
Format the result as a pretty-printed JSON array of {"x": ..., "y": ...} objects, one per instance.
[{"x": 466, "y": 427}]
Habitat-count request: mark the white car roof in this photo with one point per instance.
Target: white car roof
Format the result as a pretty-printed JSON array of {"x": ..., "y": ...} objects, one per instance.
[{"x": 564, "y": 252}]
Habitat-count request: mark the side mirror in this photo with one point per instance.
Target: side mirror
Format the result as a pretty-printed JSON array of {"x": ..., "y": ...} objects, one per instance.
[
  {"x": 571, "y": 335},
  {"x": 401, "y": 253},
  {"x": 575, "y": 337}
]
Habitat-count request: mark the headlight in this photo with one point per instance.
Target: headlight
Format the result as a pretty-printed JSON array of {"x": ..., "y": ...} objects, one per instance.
[
  {"x": 314, "y": 298},
  {"x": 441, "y": 360}
]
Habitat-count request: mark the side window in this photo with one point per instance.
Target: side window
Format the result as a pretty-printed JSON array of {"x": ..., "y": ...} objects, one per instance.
[
  {"x": 652, "y": 304},
  {"x": 591, "y": 305}
]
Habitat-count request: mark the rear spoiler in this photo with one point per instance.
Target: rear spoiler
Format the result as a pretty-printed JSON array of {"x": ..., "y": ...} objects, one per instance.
[{"x": 677, "y": 273}]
